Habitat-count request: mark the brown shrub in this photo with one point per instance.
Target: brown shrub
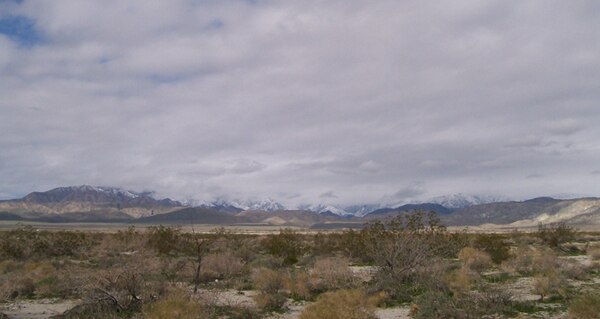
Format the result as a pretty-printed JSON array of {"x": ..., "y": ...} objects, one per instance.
[
  {"x": 219, "y": 266},
  {"x": 299, "y": 285},
  {"x": 521, "y": 260},
  {"x": 175, "y": 305},
  {"x": 332, "y": 273},
  {"x": 268, "y": 302},
  {"x": 594, "y": 252},
  {"x": 545, "y": 262},
  {"x": 474, "y": 259},
  {"x": 549, "y": 284},
  {"x": 461, "y": 281},
  {"x": 341, "y": 304},
  {"x": 267, "y": 280},
  {"x": 586, "y": 306}
]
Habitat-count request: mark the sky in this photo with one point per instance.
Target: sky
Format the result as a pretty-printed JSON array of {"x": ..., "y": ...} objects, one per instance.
[{"x": 338, "y": 102}]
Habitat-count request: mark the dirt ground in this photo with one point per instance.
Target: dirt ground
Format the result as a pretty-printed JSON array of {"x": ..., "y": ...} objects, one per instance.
[{"x": 37, "y": 309}]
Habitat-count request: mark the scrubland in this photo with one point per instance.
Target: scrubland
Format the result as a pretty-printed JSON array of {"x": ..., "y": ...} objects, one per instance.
[{"x": 406, "y": 267}]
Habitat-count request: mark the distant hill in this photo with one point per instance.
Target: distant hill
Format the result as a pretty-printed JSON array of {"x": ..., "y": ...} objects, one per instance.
[
  {"x": 191, "y": 215},
  {"x": 529, "y": 212},
  {"x": 428, "y": 207},
  {"x": 87, "y": 199}
]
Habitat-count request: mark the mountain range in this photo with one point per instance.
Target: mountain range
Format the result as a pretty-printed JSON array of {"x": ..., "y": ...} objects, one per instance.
[{"x": 109, "y": 204}]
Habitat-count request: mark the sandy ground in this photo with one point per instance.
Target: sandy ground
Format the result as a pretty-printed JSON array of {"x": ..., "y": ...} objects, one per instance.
[
  {"x": 295, "y": 308},
  {"x": 37, "y": 309}
]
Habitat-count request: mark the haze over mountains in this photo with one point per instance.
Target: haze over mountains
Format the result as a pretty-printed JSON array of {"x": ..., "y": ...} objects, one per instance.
[{"x": 108, "y": 204}]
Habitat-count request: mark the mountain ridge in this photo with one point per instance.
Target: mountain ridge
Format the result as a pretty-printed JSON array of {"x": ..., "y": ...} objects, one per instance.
[{"x": 86, "y": 203}]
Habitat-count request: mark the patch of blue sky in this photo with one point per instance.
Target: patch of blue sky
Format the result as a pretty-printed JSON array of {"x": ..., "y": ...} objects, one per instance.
[
  {"x": 216, "y": 24},
  {"x": 20, "y": 29}
]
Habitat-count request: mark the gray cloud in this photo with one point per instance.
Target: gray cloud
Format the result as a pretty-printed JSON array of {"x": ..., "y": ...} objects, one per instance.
[
  {"x": 292, "y": 100},
  {"x": 328, "y": 195}
]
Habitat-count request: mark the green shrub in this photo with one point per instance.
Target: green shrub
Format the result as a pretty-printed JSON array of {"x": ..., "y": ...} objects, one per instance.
[
  {"x": 288, "y": 244},
  {"x": 494, "y": 245},
  {"x": 164, "y": 240},
  {"x": 555, "y": 235}
]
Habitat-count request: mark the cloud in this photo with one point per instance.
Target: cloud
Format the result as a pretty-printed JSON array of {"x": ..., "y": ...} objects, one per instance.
[
  {"x": 534, "y": 175},
  {"x": 292, "y": 100},
  {"x": 328, "y": 195},
  {"x": 565, "y": 126}
]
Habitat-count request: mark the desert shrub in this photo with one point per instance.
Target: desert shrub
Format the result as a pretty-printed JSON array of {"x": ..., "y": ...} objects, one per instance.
[
  {"x": 586, "y": 306},
  {"x": 486, "y": 304},
  {"x": 521, "y": 260},
  {"x": 7, "y": 266},
  {"x": 554, "y": 235},
  {"x": 27, "y": 242},
  {"x": 460, "y": 281},
  {"x": 176, "y": 305},
  {"x": 163, "y": 240},
  {"x": 453, "y": 243},
  {"x": 127, "y": 236},
  {"x": 219, "y": 266},
  {"x": 474, "y": 259},
  {"x": 494, "y": 245},
  {"x": 436, "y": 304},
  {"x": 353, "y": 244},
  {"x": 400, "y": 248},
  {"x": 269, "y": 302},
  {"x": 288, "y": 244},
  {"x": 594, "y": 252},
  {"x": 17, "y": 287},
  {"x": 123, "y": 289},
  {"x": 572, "y": 269},
  {"x": 341, "y": 304},
  {"x": 267, "y": 280},
  {"x": 299, "y": 285},
  {"x": 89, "y": 310},
  {"x": 332, "y": 273},
  {"x": 269, "y": 283},
  {"x": 549, "y": 284},
  {"x": 544, "y": 262},
  {"x": 324, "y": 244}
]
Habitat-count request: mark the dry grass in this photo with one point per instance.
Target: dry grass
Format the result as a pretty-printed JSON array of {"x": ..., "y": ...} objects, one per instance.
[
  {"x": 342, "y": 304},
  {"x": 176, "y": 305}
]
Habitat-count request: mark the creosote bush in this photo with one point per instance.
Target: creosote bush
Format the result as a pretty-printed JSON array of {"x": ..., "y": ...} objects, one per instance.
[
  {"x": 555, "y": 235},
  {"x": 494, "y": 245},
  {"x": 288, "y": 244}
]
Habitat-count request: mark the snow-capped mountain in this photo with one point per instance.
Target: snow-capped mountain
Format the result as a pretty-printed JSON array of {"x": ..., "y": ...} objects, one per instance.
[
  {"x": 457, "y": 201},
  {"x": 267, "y": 204},
  {"x": 322, "y": 209},
  {"x": 362, "y": 210}
]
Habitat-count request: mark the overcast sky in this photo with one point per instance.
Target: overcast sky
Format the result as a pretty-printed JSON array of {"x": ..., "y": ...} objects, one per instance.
[{"x": 338, "y": 102}]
